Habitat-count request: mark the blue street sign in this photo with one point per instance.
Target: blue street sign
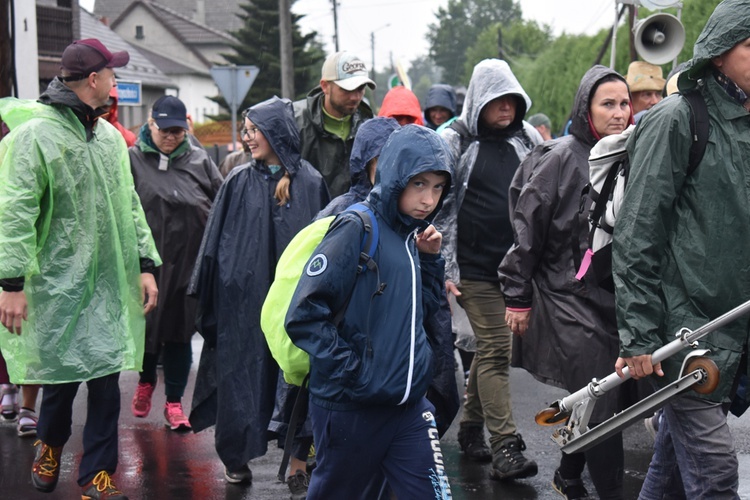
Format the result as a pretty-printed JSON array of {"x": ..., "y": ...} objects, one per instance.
[{"x": 128, "y": 93}]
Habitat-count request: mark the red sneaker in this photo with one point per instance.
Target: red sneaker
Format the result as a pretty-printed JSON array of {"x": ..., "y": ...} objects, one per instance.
[
  {"x": 176, "y": 419},
  {"x": 141, "y": 405}
]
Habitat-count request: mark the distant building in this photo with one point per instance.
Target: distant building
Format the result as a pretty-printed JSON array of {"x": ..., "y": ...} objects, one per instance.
[
  {"x": 154, "y": 82},
  {"x": 182, "y": 48},
  {"x": 220, "y": 15}
]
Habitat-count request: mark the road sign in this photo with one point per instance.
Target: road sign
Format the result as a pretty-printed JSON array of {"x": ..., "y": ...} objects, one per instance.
[
  {"x": 234, "y": 82},
  {"x": 128, "y": 93},
  {"x": 393, "y": 81}
]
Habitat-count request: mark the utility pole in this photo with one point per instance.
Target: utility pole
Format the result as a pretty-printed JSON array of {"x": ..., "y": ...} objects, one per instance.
[
  {"x": 372, "y": 49},
  {"x": 285, "y": 43},
  {"x": 6, "y": 49},
  {"x": 335, "y": 26}
]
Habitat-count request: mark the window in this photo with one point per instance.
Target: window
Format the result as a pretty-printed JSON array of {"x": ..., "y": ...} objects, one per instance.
[{"x": 139, "y": 33}]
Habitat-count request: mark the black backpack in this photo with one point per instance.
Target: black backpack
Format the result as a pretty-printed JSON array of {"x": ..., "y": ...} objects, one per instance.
[{"x": 609, "y": 168}]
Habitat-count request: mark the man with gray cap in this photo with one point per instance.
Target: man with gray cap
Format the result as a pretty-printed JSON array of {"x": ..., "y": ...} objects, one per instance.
[
  {"x": 543, "y": 125},
  {"x": 76, "y": 262},
  {"x": 680, "y": 256},
  {"x": 329, "y": 117}
]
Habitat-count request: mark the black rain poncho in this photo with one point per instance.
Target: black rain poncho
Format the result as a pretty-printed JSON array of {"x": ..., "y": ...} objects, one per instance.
[
  {"x": 177, "y": 201},
  {"x": 246, "y": 233},
  {"x": 572, "y": 335}
]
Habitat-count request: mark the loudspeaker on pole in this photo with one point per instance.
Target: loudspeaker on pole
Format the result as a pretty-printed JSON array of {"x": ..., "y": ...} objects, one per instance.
[{"x": 659, "y": 38}]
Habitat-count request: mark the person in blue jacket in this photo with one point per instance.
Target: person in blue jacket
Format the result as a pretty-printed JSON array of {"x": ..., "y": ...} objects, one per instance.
[{"x": 369, "y": 373}]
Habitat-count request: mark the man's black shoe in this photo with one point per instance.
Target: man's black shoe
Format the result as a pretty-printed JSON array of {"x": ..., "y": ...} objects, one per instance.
[
  {"x": 509, "y": 463},
  {"x": 471, "y": 441}
]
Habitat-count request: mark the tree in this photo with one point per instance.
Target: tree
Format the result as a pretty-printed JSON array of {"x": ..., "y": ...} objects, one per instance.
[
  {"x": 522, "y": 41},
  {"x": 423, "y": 74},
  {"x": 458, "y": 27},
  {"x": 259, "y": 46}
]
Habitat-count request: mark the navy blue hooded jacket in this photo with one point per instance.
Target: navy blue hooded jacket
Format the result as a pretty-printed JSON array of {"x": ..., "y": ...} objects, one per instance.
[
  {"x": 439, "y": 94},
  {"x": 380, "y": 354},
  {"x": 370, "y": 139},
  {"x": 245, "y": 235}
]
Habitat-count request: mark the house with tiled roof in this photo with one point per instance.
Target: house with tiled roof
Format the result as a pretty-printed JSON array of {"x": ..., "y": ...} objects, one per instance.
[
  {"x": 182, "y": 48},
  {"x": 220, "y": 15},
  {"x": 154, "y": 82}
]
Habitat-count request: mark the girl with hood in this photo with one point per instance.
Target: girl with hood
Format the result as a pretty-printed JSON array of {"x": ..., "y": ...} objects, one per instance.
[
  {"x": 259, "y": 209},
  {"x": 565, "y": 329}
]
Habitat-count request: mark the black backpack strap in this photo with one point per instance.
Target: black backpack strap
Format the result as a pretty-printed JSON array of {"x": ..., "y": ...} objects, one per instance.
[
  {"x": 300, "y": 405},
  {"x": 463, "y": 133},
  {"x": 699, "y": 127}
]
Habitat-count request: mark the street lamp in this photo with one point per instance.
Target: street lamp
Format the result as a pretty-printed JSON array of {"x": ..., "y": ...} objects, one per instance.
[{"x": 372, "y": 49}]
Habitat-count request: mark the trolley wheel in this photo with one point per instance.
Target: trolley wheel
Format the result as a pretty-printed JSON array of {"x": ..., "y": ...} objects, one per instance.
[
  {"x": 550, "y": 416},
  {"x": 707, "y": 365}
]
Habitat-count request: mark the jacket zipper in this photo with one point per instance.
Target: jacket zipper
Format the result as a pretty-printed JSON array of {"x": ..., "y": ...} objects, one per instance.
[{"x": 409, "y": 377}]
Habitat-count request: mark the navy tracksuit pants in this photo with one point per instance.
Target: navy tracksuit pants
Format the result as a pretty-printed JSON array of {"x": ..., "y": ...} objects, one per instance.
[
  {"x": 100, "y": 430},
  {"x": 354, "y": 448}
]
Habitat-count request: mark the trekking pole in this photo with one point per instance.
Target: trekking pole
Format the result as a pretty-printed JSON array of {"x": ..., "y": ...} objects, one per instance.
[{"x": 698, "y": 373}]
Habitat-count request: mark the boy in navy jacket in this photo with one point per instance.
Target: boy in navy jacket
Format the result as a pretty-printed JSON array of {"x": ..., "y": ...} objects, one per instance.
[{"x": 370, "y": 372}]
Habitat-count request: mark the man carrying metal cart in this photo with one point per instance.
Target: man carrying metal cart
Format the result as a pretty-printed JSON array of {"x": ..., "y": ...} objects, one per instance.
[{"x": 681, "y": 256}]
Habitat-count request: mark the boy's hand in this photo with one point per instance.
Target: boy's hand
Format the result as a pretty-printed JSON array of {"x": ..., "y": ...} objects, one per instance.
[
  {"x": 429, "y": 240},
  {"x": 13, "y": 309}
]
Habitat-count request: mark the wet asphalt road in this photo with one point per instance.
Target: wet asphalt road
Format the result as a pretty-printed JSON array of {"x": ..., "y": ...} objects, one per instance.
[{"x": 156, "y": 463}]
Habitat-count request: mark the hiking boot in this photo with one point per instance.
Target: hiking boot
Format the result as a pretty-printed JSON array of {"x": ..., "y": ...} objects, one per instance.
[
  {"x": 141, "y": 405},
  {"x": 101, "y": 488},
  {"x": 298, "y": 484},
  {"x": 9, "y": 402},
  {"x": 471, "y": 441},
  {"x": 46, "y": 468},
  {"x": 509, "y": 463},
  {"x": 569, "y": 488},
  {"x": 27, "y": 420},
  {"x": 176, "y": 419},
  {"x": 243, "y": 475}
]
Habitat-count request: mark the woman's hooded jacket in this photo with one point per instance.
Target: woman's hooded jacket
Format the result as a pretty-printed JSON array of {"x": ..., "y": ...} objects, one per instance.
[
  {"x": 491, "y": 79},
  {"x": 246, "y": 233},
  {"x": 400, "y": 101},
  {"x": 572, "y": 335},
  {"x": 681, "y": 249},
  {"x": 370, "y": 139},
  {"x": 380, "y": 353},
  {"x": 176, "y": 195},
  {"x": 439, "y": 95}
]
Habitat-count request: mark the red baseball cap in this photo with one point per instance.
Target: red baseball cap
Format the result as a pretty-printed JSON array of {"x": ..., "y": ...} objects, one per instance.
[{"x": 83, "y": 57}]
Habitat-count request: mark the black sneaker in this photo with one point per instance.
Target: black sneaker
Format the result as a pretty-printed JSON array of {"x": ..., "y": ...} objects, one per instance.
[
  {"x": 298, "y": 484},
  {"x": 509, "y": 463},
  {"x": 471, "y": 441},
  {"x": 242, "y": 476},
  {"x": 569, "y": 488}
]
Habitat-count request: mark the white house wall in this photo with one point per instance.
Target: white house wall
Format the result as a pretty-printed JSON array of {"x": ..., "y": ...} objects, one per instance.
[
  {"x": 27, "y": 55},
  {"x": 157, "y": 38},
  {"x": 193, "y": 92}
]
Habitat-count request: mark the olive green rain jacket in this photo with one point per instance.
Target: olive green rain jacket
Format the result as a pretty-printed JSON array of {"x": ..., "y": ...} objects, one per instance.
[
  {"x": 71, "y": 223},
  {"x": 681, "y": 253}
]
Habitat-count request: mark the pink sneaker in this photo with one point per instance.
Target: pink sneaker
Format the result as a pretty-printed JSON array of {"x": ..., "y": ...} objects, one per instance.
[
  {"x": 141, "y": 405},
  {"x": 176, "y": 419}
]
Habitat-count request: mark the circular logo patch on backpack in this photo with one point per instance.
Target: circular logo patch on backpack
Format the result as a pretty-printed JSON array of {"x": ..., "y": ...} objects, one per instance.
[{"x": 317, "y": 265}]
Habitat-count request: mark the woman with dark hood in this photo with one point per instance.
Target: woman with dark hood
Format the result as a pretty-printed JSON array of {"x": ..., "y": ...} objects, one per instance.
[
  {"x": 566, "y": 333},
  {"x": 259, "y": 209}
]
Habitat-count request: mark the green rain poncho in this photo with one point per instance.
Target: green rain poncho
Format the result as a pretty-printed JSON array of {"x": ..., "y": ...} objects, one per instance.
[
  {"x": 681, "y": 252},
  {"x": 71, "y": 223}
]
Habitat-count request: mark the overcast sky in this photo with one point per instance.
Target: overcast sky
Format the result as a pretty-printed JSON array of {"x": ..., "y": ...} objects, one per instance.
[{"x": 400, "y": 26}]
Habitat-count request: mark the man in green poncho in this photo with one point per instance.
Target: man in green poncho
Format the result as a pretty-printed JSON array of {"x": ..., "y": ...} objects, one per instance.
[
  {"x": 76, "y": 262},
  {"x": 681, "y": 252}
]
